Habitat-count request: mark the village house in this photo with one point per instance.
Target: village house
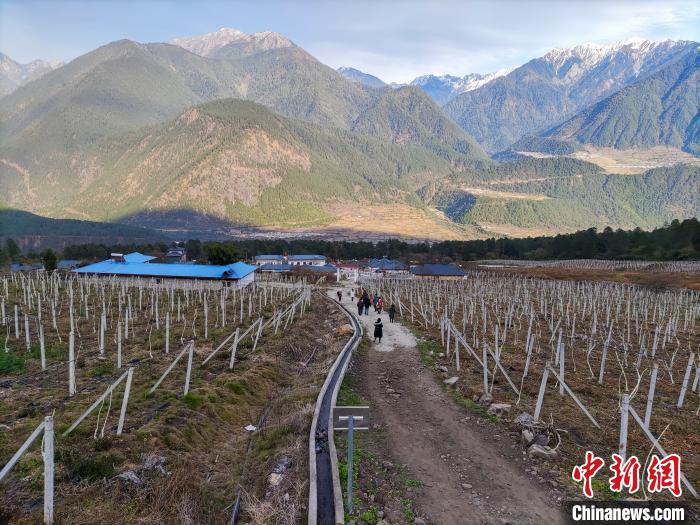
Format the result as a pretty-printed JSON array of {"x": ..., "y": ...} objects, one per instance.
[{"x": 292, "y": 260}]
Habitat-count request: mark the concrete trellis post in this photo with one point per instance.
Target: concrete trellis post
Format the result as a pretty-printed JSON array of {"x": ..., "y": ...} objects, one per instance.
[
  {"x": 119, "y": 344},
  {"x": 650, "y": 395},
  {"x": 99, "y": 400},
  {"x": 125, "y": 400},
  {"x": 686, "y": 377},
  {"x": 16, "y": 322},
  {"x": 234, "y": 347},
  {"x": 540, "y": 395},
  {"x": 189, "y": 368},
  {"x": 26, "y": 332},
  {"x": 45, "y": 427},
  {"x": 562, "y": 355},
  {"x": 624, "y": 417},
  {"x": 71, "y": 364},
  {"x": 42, "y": 347},
  {"x": 484, "y": 366},
  {"x": 167, "y": 332},
  {"x": 48, "y": 455}
]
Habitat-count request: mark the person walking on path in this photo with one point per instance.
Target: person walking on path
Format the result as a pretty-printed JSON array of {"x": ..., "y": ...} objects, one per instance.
[
  {"x": 340, "y": 296},
  {"x": 392, "y": 313},
  {"x": 378, "y": 329},
  {"x": 375, "y": 301},
  {"x": 367, "y": 302},
  {"x": 380, "y": 305},
  {"x": 360, "y": 306}
]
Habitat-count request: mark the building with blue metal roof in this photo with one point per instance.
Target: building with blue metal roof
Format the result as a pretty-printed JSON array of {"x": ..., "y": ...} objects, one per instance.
[
  {"x": 386, "y": 265},
  {"x": 286, "y": 267},
  {"x": 239, "y": 272},
  {"x": 136, "y": 257}
]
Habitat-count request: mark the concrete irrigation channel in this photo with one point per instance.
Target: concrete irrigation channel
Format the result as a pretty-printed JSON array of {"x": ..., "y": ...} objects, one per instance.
[{"x": 325, "y": 494}]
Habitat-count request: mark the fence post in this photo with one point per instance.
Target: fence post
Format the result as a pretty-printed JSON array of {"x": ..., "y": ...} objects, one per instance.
[
  {"x": 48, "y": 470},
  {"x": 540, "y": 395},
  {"x": 42, "y": 347},
  {"x": 485, "y": 368},
  {"x": 650, "y": 395},
  {"x": 125, "y": 401},
  {"x": 189, "y": 368},
  {"x": 233, "y": 350},
  {"x": 686, "y": 377},
  {"x": 71, "y": 364},
  {"x": 624, "y": 418}
]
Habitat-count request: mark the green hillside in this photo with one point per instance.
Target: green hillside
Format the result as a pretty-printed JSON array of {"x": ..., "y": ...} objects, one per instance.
[
  {"x": 17, "y": 223},
  {"x": 572, "y": 194},
  {"x": 239, "y": 161},
  {"x": 408, "y": 116}
]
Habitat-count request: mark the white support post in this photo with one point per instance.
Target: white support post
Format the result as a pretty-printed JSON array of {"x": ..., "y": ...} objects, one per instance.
[
  {"x": 48, "y": 454},
  {"x": 26, "y": 332},
  {"x": 125, "y": 400},
  {"x": 655, "y": 442},
  {"x": 71, "y": 364},
  {"x": 99, "y": 400},
  {"x": 15, "y": 458},
  {"x": 167, "y": 332},
  {"x": 456, "y": 352},
  {"x": 257, "y": 336},
  {"x": 234, "y": 347},
  {"x": 624, "y": 417},
  {"x": 484, "y": 365},
  {"x": 650, "y": 395},
  {"x": 686, "y": 378},
  {"x": 42, "y": 347},
  {"x": 540, "y": 395},
  {"x": 602, "y": 363},
  {"x": 189, "y": 368},
  {"x": 562, "y": 355},
  {"x": 119, "y": 344},
  {"x": 167, "y": 371},
  {"x": 16, "y": 322},
  {"x": 574, "y": 397}
]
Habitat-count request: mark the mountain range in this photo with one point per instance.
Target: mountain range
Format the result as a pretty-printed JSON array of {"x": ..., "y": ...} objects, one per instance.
[
  {"x": 250, "y": 130},
  {"x": 13, "y": 74}
]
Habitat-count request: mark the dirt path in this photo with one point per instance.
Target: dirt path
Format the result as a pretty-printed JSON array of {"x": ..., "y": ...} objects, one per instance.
[{"x": 471, "y": 471}]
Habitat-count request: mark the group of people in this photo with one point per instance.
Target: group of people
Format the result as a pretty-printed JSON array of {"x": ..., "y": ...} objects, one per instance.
[{"x": 363, "y": 304}]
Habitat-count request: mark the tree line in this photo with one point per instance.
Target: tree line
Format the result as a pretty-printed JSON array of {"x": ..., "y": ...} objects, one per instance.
[{"x": 679, "y": 240}]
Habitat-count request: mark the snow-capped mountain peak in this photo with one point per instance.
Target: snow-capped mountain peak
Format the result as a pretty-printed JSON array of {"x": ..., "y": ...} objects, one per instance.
[
  {"x": 590, "y": 54},
  {"x": 210, "y": 43}
]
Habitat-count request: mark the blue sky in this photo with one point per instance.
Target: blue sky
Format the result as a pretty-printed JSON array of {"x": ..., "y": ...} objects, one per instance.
[{"x": 395, "y": 40}]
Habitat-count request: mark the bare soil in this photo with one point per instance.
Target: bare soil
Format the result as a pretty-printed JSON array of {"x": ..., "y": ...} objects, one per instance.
[{"x": 468, "y": 469}]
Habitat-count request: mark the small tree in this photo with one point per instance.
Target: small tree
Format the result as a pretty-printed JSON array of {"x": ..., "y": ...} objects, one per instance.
[
  {"x": 49, "y": 259},
  {"x": 12, "y": 249},
  {"x": 220, "y": 253}
]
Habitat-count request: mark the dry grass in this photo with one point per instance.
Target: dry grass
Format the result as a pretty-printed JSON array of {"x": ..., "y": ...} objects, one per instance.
[
  {"x": 207, "y": 452},
  {"x": 651, "y": 279}
]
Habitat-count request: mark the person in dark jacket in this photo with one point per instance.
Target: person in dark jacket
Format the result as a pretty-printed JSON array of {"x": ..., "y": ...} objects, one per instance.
[
  {"x": 340, "y": 296},
  {"x": 360, "y": 306},
  {"x": 378, "y": 329},
  {"x": 367, "y": 302},
  {"x": 392, "y": 313}
]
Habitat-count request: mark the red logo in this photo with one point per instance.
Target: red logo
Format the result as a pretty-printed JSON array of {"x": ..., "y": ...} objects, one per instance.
[
  {"x": 664, "y": 474},
  {"x": 661, "y": 474},
  {"x": 587, "y": 472}
]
